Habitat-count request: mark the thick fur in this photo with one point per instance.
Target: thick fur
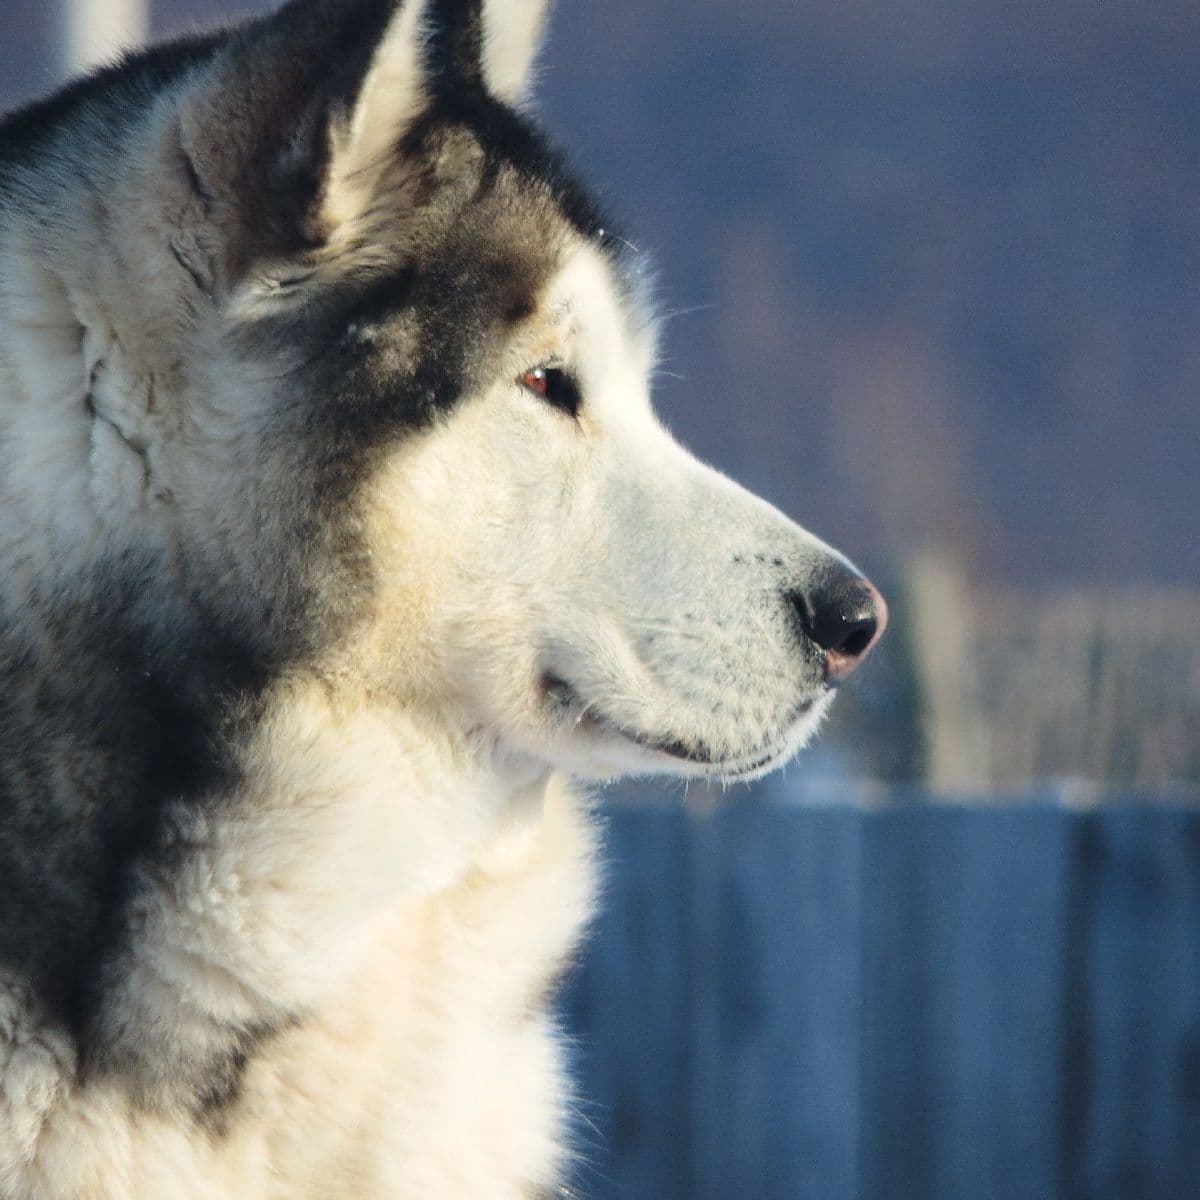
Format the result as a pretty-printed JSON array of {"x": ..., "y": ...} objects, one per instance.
[{"x": 311, "y": 604}]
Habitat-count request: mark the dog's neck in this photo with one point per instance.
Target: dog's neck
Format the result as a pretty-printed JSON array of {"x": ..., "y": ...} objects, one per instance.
[
  {"x": 448, "y": 791},
  {"x": 341, "y": 817}
]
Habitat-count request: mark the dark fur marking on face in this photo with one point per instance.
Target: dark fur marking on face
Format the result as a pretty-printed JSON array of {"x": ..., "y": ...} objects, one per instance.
[
  {"x": 396, "y": 351},
  {"x": 222, "y": 1090},
  {"x": 374, "y": 301},
  {"x": 520, "y": 310}
]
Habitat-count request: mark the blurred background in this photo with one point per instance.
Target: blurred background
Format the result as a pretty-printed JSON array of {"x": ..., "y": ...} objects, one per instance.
[{"x": 932, "y": 278}]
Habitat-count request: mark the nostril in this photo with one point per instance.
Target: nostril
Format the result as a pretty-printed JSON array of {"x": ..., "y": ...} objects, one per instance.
[{"x": 855, "y": 644}]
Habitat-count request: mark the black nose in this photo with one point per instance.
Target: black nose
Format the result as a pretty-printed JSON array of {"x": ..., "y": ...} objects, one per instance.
[{"x": 845, "y": 615}]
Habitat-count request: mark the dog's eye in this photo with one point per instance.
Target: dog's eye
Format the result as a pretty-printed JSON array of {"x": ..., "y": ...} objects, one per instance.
[{"x": 555, "y": 386}]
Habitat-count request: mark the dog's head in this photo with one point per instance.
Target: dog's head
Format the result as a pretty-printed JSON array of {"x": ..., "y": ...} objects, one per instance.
[{"x": 387, "y": 400}]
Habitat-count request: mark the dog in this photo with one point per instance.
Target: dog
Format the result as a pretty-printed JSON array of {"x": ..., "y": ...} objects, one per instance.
[{"x": 337, "y": 538}]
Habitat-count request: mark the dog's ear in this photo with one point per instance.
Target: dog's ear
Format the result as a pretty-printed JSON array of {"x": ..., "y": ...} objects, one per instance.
[
  {"x": 289, "y": 135},
  {"x": 288, "y": 128},
  {"x": 429, "y": 49},
  {"x": 512, "y": 33},
  {"x": 364, "y": 134}
]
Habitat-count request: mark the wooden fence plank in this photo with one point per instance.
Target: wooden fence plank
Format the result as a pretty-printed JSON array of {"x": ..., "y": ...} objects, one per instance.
[
  {"x": 627, "y": 1009},
  {"x": 1133, "y": 1072},
  {"x": 965, "y": 926},
  {"x": 776, "y": 996}
]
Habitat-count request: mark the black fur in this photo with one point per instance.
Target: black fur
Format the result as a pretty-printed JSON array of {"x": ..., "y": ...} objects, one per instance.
[
  {"x": 151, "y": 722},
  {"x": 455, "y": 48}
]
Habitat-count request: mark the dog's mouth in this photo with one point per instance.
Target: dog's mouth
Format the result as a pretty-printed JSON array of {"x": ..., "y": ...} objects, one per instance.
[{"x": 567, "y": 700}]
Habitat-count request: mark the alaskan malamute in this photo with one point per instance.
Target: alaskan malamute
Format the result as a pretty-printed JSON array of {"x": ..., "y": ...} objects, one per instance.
[{"x": 336, "y": 536}]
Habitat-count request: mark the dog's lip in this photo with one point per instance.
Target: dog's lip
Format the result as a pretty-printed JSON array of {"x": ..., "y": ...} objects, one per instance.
[{"x": 561, "y": 691}]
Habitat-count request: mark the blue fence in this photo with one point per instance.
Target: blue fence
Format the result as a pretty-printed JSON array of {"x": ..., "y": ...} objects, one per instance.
[{"x": 916, "y": 1003}]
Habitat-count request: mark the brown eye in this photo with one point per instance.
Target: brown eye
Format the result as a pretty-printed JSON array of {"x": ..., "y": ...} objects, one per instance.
[
  {"x": 536, "y": 381},
  {"x": 555, "y": 386}
]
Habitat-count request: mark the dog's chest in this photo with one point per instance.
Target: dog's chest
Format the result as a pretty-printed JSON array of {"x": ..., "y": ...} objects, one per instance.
[{"x": 435, "y": 1072}]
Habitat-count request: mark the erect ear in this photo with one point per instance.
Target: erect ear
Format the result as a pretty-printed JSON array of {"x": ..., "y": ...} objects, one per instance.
[
  {"x": 512, "y": 33},
  {"x": 285, "y": 137},
  {"x": 363, "y": 141},
  {"x": 290, "y": 134}
]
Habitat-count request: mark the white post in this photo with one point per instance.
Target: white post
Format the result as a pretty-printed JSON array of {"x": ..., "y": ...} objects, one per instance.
[
  {"x": 96, "y": 31},
  {"x": 957, "y": 737}
]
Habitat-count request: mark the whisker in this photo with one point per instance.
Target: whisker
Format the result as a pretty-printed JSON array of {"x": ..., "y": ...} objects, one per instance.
[{"x": 671, "y": 313}]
